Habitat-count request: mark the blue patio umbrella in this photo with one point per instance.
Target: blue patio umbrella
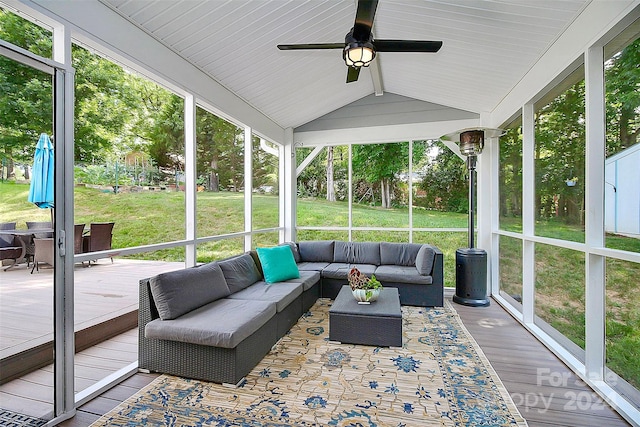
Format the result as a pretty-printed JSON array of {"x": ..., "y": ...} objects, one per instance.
[{"x": 41, "y": 189}]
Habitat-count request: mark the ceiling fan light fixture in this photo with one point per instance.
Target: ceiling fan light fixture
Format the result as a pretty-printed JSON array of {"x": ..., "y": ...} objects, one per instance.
[{"x": 358, "y": 54}]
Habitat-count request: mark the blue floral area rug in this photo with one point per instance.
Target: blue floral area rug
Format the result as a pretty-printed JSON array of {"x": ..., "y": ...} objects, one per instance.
[{"x": 439, "y": 377}]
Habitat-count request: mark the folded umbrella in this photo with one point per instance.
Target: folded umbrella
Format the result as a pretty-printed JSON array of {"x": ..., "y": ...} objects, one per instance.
[{"x": 42, "y": 176}]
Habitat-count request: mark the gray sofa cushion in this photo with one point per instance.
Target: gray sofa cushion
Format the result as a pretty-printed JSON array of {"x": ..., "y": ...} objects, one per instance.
[
  {"x": 281, "y": 293},
  {"x": 294, "y": 250},
  {"x": 357, "y": 252},
  {"x": 316, "y": 251},
  {"x": 399, "y": 253},
  {"x": 307, "y": 279},
  {"x": 256, "y": 260},
  {"x": 222, "y": 323},
  {"x": 425, "y": 259},
  {"x": 240, "y": 272},
  {"x": 401, "y": 274},
  {"x": 312, "y": 266},
  {"x": 339, "y": 270},
  {"x": 178, "y": 292}
]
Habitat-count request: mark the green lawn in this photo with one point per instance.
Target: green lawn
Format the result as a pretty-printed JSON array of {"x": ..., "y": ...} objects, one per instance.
[
  {"x": 154, "y": 217},
  {"x": 158, "y": 216},
  {"x": 560, "y": 296}
]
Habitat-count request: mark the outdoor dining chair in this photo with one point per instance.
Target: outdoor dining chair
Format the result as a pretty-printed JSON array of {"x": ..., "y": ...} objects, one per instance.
[
  {"x": 43, "y": 253},
  {"x": 7, "y": 240},
  {"x": 78, "y": 232},
  {"x": 10, "y": 247},
  {"x": 99, "y": 238},
  {"x": 34, "y": 225}
]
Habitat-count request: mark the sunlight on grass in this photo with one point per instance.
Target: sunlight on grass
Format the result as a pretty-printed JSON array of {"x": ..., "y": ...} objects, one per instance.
[
  {"x": 560, "y": 291},
  {"x": 623, "y": 320},
  {"x": 511, "y": 266}
]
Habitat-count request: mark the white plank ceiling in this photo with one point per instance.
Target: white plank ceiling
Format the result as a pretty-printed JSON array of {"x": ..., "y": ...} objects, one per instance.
[{"x": 488, "y": 46}]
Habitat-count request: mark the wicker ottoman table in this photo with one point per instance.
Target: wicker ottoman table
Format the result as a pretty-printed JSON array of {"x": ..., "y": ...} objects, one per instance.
[{"x": 378, "y": 323}]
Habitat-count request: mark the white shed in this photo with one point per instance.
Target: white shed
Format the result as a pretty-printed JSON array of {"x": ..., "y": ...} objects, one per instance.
[{"x": 622, "y": 192}]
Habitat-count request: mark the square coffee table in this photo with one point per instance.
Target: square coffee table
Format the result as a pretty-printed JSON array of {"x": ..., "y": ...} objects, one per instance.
[{"x": 378, "y": 323}]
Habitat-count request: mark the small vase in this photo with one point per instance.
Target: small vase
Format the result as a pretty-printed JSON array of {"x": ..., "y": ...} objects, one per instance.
[{"x": 365, "y": 296}]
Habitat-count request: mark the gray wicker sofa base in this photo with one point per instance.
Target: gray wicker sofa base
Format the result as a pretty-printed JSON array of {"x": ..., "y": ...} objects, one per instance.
[
  {"x": 215, "y": 322},
  {"x": 203, "y": 362}
]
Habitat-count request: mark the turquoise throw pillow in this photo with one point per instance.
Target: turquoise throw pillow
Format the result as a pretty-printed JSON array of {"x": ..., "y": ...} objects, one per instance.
[{"x": 278, "y": 264}]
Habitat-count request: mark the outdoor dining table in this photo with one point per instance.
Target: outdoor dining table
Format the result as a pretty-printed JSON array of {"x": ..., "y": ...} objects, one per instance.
[{"x": 23, "y": 242}]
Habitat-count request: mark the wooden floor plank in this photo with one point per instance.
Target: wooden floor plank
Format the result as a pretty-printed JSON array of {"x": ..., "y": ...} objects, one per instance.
[
  {"x": 525, "y": 367},
  {"x": 81, "y": 419},
  {"x": 102, "y": 291}
]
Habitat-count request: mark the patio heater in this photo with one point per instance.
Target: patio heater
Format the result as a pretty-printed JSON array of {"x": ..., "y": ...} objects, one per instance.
[{"x": 471, "y": 262}]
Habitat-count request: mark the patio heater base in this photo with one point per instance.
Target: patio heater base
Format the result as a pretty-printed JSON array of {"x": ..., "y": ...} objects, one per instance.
[{"x": 471, "y": 277}]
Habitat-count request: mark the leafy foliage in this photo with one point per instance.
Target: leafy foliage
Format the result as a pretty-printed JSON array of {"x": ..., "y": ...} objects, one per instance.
[
  {"x": 378, "y": 166},
  {"x": 622, "y": 78},
  {"x": 26, "y": 97},
  {"x": 445, "y": 184},
  {"x": 116, "y": 113},
  {"x": 312, "y": 182}
]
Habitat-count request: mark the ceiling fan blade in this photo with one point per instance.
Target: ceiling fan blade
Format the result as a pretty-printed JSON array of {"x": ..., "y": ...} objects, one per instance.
[
  {"x": 352, "y": 74},
  {"x": 407, "y": 46},
  {"x": 364, "y": 19},
  {"x": 311, "y": 46}
]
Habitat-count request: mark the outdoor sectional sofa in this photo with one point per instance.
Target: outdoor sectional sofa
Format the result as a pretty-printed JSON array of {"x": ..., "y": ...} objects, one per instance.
[
  {"x": 216, "y": 321},
  {"x": 415, "y": 269}
]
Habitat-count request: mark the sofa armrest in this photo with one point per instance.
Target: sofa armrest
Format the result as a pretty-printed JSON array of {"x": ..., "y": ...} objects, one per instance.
[{"x": 437, "y": 272}]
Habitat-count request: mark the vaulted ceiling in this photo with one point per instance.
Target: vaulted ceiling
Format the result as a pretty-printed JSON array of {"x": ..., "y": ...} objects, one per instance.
[{"x": 488, "y": 46}]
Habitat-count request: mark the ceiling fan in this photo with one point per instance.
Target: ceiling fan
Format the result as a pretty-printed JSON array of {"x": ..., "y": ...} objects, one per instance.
[{"x": 359, "y": 47}]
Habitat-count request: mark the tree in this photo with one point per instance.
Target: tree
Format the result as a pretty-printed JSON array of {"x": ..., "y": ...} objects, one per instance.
[
  {"x": 265, "y": 167},
  {"x": 511, "y": 173},
  {"x": 445, "y": 183},
  {"x": 320, "y": 174},
  {"x": 219, "y": 152},
  {"x": 26, "y": 94},
  {"x": 331, "y": 193},
  {"x": 166, "y": 134},
  {"x": 109, "y": 102},
  {"x": 622, "y": 76},
  {"x": 560, "y": 156},
  {"x": 382, "y": 164},
  {"x": 107, "y": 107}
]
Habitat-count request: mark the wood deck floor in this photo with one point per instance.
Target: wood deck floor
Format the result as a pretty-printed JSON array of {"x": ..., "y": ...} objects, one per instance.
[
  {"x": 104, "y": 291},
  {"x": 524, "y": 365}
]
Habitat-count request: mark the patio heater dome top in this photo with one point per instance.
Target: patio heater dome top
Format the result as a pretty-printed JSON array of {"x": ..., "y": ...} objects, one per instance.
[{"x": 471, "y": 140}]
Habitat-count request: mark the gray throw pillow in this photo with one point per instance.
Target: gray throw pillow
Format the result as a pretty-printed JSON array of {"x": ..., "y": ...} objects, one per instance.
[
  {"x": 316, "y": 251},
  {"x": 240, "y": 272},
  {"x": 357, "y": 252},
  {"x": 256, "y": 260},
  {"x": 178, "y": 292},
  {"x": 294, "y": 250},
  {"x": 425, "y": 259},
  {"x": 399, "y": 253}
]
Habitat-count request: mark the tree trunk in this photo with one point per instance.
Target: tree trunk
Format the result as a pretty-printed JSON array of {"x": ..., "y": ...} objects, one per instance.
[
  {"x": 214, "y": 182},
  {"x": 385, "y": 193},
  {"x": 331, "y": 193},
  {"x": 11, "y": 172}
]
